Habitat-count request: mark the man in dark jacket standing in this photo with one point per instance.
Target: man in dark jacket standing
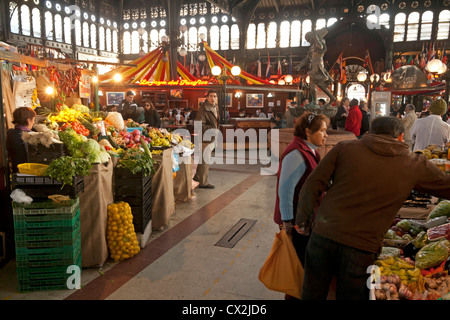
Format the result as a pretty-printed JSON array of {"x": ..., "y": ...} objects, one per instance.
[
  {"x": 365, "y": 121},
  {"x": 348, "y": 230},
  {"x": 340, "y": 118},
  {"x": 208, "y": 114},
  {"x": 129, "y": 108}
]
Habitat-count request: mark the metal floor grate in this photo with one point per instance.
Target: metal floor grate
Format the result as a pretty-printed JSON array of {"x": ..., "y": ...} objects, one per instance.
[{"x": 235, "y": 234}]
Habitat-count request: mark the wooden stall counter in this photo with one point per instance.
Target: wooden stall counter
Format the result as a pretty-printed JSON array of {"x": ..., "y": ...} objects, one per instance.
[
  {"x": 257, "y": 124},
  {"x": 285, "y": 137}
]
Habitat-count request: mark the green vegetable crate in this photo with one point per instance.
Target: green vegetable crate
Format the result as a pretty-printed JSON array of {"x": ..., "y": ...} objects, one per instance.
[
  {"x": 136, "y": 190},
  {"x": 48, "y": 241},
  {"x": 42, "y": 186}
]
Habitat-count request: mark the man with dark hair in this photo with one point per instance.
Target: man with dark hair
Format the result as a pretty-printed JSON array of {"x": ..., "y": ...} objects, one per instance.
[
  {"x": 208, "y": 114},
  {"x": 347, "y": 232},
  {"x": 129, "y": 108}
]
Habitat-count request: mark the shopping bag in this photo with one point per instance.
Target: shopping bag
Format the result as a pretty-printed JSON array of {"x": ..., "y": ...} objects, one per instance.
[{"x": 282, "y": 271}]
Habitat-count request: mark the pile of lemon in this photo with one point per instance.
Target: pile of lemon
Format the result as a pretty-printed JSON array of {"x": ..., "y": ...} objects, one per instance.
[
  {"x": 66, "y": 115},
  {"x": 120, "y": 234}
]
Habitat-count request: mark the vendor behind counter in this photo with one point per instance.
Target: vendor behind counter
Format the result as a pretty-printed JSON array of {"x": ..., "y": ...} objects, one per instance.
[{"x": 23, "y": 119}]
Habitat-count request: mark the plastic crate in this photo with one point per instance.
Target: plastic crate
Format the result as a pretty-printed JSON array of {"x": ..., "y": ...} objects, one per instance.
[
  {"x": 43, "y": 191},
  {"x": 49, "y": 254},
  {"x": 47, "y": 204},
  {"x": 142, "y": 215},
  {"x": 42, "y": 154},
  {"x": 127, "y": 176},
  {"x": 47, "y": 240},
  {"x": 133, "y": 199},
  {"x": 46, "y": 211},
  {"x": 44, "y": 222},
  {"x": 44, "y": 272}
]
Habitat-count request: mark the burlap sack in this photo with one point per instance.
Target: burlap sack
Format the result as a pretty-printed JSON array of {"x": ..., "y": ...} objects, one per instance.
[{"x": 98, "y": 194}]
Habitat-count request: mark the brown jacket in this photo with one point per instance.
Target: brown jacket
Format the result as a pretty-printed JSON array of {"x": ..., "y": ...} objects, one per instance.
[
  {"x": 208, "y": 115},
  {"x": 371, "y": 179}
]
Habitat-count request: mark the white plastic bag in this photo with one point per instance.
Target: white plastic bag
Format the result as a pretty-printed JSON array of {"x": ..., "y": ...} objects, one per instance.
[{"x": 20, "y": 197}]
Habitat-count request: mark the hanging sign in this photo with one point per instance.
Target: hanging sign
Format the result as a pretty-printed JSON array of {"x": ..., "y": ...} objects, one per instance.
[
  {"x": 173, "y": 83},
  {"x": 85, "y": 86}
]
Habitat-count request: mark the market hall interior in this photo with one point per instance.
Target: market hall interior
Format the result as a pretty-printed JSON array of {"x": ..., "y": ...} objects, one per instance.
[{"x": 183, "y": 262}]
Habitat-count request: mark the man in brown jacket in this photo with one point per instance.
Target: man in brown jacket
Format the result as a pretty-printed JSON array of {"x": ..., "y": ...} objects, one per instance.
[
  {"x": 368, "y": 181},
  {"x": 208, "y": 114}
]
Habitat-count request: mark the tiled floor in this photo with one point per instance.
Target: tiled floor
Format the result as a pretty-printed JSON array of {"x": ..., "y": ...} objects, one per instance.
[{"x": 182, "y": 261}]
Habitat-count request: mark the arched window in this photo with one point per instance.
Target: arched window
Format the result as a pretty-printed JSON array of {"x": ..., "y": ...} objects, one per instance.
[
  {"x": 384, "y": 20},
  {"x": 162, "y": 33},
  {"x": 214, "y": 35},
  {"x": 101, "y": 38},
  {"x": 443, "y": 25},
  {"x": 272, "y": 35},
  {"x": 234, "y": 37},
  {"x": 413, "y": 26},
  {"x": 285, "y": 31},
  {"x": 25, "y": 20},
  {"x": 36, "y": 19},
  {"x": 93, "y": 36},
  {"x": 77, "y": 32},
  {"x": 135, "y": 42},
  {"x": 193, "y": 38},
  {"x": 86, "y": 34},
  {"x": 115, "y": 41},
  {"x": 154, "y": 35},
  {"x": 108, "y": 40},
  {"x": 331, "y": 21},
  {"x": 261, "y": 36},
  {"x": 426, "y": 26},
  {"x": 251, "y": 36},
  {"x": 203, "y": 30},
  {"x": 307, "y": 27},
  {"x": 126, "y": 42},
  {"x": 14, "y": 16},
  {"x": 399, "y": 27},
  {"x": 224, "y": 37},
  {"x": 145, "y": 42},
  {"x": 296, "y": 28},
  {"x": 58, "y": 28},
  {"x": 49, "y": 25},
  {"x": 67, "y": 30},
  {"x": 321, "y": 23}
]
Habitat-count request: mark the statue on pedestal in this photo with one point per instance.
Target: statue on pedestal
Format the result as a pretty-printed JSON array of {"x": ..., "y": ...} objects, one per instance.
[{"x": 314, "y": 62}]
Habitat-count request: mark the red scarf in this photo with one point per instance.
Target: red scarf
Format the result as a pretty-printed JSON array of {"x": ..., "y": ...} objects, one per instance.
[{"x": 311, "y": 158}]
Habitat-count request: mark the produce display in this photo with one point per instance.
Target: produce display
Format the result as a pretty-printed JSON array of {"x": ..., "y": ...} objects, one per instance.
[
  {"x": 414, "y": 261},
  {"x": 435, "y": 152}
]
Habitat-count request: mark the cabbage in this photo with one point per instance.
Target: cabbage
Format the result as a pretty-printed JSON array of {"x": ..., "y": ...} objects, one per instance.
[
  {"x": 404, "y": 224},
  {"x": 90, "y": 146},
  {"x": 104, "y": 156},
  {"x": 442, "y": 209},
  {"x": 94, "y": 158},
  {"x": 78, "y": 153}
]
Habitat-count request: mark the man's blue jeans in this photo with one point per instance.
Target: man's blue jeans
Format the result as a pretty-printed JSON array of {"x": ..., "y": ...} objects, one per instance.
[{"x": 326, "y": 259}]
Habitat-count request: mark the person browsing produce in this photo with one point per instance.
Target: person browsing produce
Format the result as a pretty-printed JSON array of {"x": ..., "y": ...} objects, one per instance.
[
  {"x": 297, "y": 162},
  {"x": 129, "y": 108},
  {"x": 347, "y": 233}
]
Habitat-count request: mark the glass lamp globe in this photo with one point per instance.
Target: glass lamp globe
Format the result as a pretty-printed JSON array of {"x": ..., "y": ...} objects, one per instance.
[
  {"x": 288, "y": 78},
  {"x": 362, "y": 76},
  {"x": 434, "y": 66},
  {"x": 443, "y": 69},
  {"x": 235, "y": 71},
  {"x": 202, "y": 36},
  {"x": 164, "y": 39},
  {"x": 281, "y": 82},
  {"x": 216, "y": 70},
  {"x": 183, "y": 51},
  {"x": 117, "y": 77},
  {"x": 202, "y": 57}
]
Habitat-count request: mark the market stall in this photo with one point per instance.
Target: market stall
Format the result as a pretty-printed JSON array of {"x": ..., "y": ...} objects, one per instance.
[{"x": 414, "y": 261}]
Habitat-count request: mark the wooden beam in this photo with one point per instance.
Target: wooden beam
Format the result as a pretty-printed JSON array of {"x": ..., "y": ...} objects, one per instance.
[
  {"x": 92, "y": 62},
  {"x": 16, "y": 57}
]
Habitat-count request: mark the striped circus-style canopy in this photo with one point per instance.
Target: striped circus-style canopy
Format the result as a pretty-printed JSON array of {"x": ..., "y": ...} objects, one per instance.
[
  {"x": 151, "y": 67},
  {"x": 214, "y": 59}
]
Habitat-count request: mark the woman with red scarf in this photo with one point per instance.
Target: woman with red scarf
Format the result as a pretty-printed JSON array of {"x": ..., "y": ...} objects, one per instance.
[{"x": 298, "y": 160}]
